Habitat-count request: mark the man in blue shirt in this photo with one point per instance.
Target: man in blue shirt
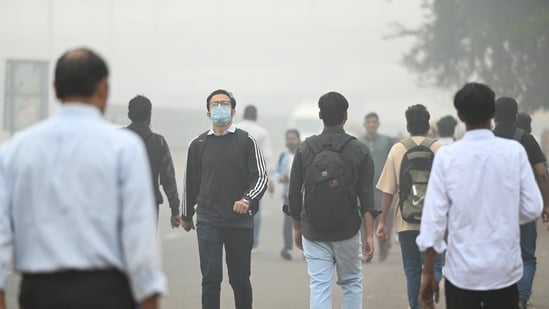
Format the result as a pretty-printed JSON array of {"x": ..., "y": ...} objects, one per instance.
[{"x": 76, "y": 203}]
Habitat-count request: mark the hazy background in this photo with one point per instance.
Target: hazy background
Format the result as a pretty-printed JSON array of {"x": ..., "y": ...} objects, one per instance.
[{"x": 274, "y": 54}]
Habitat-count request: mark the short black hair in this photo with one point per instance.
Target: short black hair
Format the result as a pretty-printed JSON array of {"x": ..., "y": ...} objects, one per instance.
[
  {"x": 524, "y": 121},
  {"x": 333, "y": 107},
  {"x": 220, "y": 91},
  {"x": 139, "y": 109},
  {"x": 446, "y": 126},
  {"x": 293, "y": 131},
  {"x": 506, "y": 110},
  {"x": 372, "y": 115},
  {"x": 78, "y": 72},
  {"x": 475, "y": 103},
  {"x": 417, "y": 119},
  {"x": 250, "y": 112}
]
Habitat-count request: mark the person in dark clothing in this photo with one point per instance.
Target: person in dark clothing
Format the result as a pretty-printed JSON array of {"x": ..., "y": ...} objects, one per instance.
[
  {"x": 340, "y": 247},
  {"x": 524, "y": 121},
  {"x": 160, "y": 159},
  {"x": 505, "y": 119},
  {"x": 225, "y": 179}
]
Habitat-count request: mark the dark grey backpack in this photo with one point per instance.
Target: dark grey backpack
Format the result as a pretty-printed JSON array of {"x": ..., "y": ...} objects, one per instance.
[{"x": 329, "y": 196}]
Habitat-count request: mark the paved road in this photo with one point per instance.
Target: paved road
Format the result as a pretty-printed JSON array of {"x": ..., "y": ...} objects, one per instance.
[{"x": 284, "y": 284}]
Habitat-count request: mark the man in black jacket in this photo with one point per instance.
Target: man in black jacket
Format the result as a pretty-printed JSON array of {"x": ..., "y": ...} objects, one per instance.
[
  {"x": 339, "y": 246},
  {"x": 160, "y": 159},
  {"x": 225, "y": 179}
]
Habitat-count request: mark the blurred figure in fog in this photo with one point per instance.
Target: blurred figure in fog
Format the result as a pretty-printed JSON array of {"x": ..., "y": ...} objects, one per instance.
[
  {"x": 379, "y": 146},
  {"x": 281, "y": 174},
  {"x": 261, "y": 135},
  {"x": 225, "y": 179},
  {"x": 446, "y": 129},
  {"x": 524, "y": 122},
  {"x": 77, "y": 204},
  {"x": 160, "y": 159},
  {"x": 480, "y": 189},
  {"x": 506, "y": 120}
]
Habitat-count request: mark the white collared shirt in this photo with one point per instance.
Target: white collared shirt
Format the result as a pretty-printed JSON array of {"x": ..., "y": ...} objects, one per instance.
[
  {"x": 76, "y": 194},
  {"x": 231, "y": 129},
  {"x": 481, "y": 188}
]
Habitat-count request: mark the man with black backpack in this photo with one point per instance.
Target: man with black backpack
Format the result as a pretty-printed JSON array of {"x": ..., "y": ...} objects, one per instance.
[
  {"x": 505, "y": 119},
  {"x": 404, "y": 181},
  {"x": 331, "y": 172},
  {"x": 160, "y": 159}
]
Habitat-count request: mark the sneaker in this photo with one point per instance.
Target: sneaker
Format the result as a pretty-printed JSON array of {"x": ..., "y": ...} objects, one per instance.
[
  {"x": 522, "y": 304},
  {"x": 285, "y": 254}
]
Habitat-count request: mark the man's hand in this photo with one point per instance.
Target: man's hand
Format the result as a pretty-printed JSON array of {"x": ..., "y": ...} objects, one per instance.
[
  {"x": 545, "y": 214},
  {"x": 150, "y": 303},
  {"x": 284, "y": 179},
  {"x": 241, "y": 207},
  {"x": 187, "y": 225},
  {"x": 368, "y": 248},
  {"x": 428, "y": 292},
  {"x": 382, "y": 230},
  {"x": 175, "y": 221}
]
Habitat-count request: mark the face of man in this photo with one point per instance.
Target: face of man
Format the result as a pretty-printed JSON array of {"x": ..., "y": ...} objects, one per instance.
[
  {"x": 292, "y": 142},
  {"x": 220, "y": 100},
  {"x": 371, "y": 124}
]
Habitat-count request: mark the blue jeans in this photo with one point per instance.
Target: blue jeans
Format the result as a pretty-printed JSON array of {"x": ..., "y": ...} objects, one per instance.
[
  {"x": 346, "y": 256},
  {"x": 528, "y": 236},
  {"x": 412, "y": 260},
  {"x": 238, "y": 248}
]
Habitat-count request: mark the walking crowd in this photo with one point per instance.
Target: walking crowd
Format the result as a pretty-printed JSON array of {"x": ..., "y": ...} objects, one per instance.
[{"x": 463, "y": 211}]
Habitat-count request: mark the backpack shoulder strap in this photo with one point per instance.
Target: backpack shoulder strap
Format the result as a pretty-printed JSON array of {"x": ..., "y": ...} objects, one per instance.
[
  {"x": 242, "y": 137},
  {"x": 519, "y": 134},
  {"x": 408, "y": 143},
  {"x": 315, "y": 145},
  {"x": 341, "y": 141},
  {"x": 201, "y": 145},
  {"x": 427, "y": 142}
]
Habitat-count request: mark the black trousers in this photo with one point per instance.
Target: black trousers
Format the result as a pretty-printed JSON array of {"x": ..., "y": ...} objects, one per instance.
[
  {"x": 238, "y": 244},
  {"x": 106, "y": 289},
  {"x": 456, "y": 298}
]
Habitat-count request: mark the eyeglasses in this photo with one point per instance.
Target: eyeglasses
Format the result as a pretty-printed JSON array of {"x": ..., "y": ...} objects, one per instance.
[{"x": 220, "y": 103}]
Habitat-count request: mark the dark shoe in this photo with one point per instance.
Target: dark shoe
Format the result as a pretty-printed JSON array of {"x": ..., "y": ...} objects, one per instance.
[
  {"x": 285, "y": 254},
  {"x": 522, "y": 304}
]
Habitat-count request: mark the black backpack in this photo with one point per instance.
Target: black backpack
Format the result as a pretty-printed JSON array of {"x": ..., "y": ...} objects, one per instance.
[
  {"x": 414, "y": 175},
  {"x": 329, "y": 197}
]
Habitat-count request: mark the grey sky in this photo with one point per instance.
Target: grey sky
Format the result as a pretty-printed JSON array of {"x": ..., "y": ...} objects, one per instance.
[{"x": 275, "y": 54}]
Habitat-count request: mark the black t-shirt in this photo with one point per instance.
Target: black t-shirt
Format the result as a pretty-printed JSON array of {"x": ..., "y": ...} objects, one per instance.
[{"x": 533, "y": 150}]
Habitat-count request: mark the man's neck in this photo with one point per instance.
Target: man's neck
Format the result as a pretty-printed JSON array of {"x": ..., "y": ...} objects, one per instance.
[
  {"x": 371, "y": 135},
  {"x": 470, "y": 127},
  {"x": 221, "y": 130}
]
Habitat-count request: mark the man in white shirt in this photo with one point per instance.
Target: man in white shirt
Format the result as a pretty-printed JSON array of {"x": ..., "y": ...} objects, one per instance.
[
  {"x": 77, "y": 205},
  {"x": 480, "y": 189}
]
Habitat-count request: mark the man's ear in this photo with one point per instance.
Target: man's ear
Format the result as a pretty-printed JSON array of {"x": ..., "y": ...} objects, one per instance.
[
  {"x": 102, "y": 93},
  {"x": 209, "y": 114},
  {"x": 461, "y": 117},
  {"x": 320, "y": 115}
]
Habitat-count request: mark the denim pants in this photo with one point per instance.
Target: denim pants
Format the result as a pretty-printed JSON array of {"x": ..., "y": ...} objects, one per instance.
[
  {"x": 412, "y": 260},
  {"x": 528, "y": 236},
  {"x": 346, "y": 256},
  {"x": 238, "y": 247}
]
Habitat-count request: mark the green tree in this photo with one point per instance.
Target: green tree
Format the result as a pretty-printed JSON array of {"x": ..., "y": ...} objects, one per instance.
[{"x": 504, "y": 43}]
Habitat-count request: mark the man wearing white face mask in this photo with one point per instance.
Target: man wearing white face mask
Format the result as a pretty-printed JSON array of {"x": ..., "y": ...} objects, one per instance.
[{"x": 225, "y": 179}]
